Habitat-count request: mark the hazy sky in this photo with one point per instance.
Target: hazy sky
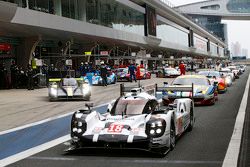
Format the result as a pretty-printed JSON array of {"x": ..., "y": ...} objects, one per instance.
[{"x": 237, "y": 30}]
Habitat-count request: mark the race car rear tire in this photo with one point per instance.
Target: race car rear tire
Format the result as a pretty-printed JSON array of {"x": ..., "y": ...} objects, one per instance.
[
  {"x": 115, "y": 81},
  {"x": 161, "y": 152},
  {"x": 172, "y": 135},
  {"x": 213, "y": 101},
  {"x": 191, "y": 124},
  {"x": 87, "y": 98}
]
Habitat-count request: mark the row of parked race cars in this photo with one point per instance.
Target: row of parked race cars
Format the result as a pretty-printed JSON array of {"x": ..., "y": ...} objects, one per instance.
[
  {"x": 79, "y": 88},
  {"x": 141, "y": 119},
  {"x": 207, "y": 84}
]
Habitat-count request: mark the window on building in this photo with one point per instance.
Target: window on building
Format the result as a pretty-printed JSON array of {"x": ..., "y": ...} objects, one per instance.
[
  {"x": 20, "y": 3},
  {"x": 46, "y": 6},
  {"x": 211, "y": 7}
]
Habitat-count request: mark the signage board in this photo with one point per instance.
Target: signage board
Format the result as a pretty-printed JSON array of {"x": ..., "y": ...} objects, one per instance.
[
  {"x": 88, "y": 53},
  {"x": 104, "y": 53},
  {"x": 5, "y": 47}
]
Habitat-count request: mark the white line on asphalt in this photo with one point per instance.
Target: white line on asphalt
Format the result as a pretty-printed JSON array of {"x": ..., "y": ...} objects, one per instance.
[
  {"x": 231, "y": 158},
  {"x": 156, "y": 161},
  {"x": 53, "y": 158},
  {"x": 32, "y": 151},
  {"x": 43, "y": 121}
]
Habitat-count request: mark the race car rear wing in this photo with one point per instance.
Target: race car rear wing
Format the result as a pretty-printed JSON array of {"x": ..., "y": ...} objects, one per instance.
[
  {"x": 59, "y": 79},
  {"x": 150, "y": 89},
  {"x": 153, "y": 89},
  {"x": 179, "y": 89}
]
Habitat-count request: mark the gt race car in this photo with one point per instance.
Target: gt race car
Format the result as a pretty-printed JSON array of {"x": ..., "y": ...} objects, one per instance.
[
  {"x": 135, "y": 120},
  {"x": 143, "y": 74},
  {"x": 68, "y": 88},
  {"x": 204, "y": 92},
  {"x": 96, "y": 79},
  {"x": 171, "y": 72},
  {"x": 122, "y": 74},
  {"x": 216, "y": 76}
]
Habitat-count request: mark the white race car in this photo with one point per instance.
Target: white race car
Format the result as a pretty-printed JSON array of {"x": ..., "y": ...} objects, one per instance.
[{"x": 136, "y": 120}]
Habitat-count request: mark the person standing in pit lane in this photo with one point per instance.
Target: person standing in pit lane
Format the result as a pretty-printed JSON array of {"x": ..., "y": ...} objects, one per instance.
[
  {"x": 104, "y": 73},
  {"x": 182, "y": 68},
  {"x": 132, "y": 70},
  {"x": 30, "y": 74},
  {"x": 13, "y": 74}
]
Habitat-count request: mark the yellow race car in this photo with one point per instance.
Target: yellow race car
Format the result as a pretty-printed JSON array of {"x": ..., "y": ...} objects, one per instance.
[{"x": 69, "y": 88}]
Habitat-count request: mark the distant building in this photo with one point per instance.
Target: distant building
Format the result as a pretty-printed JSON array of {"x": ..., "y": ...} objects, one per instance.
[
  {"x": 236, "y": 49},
  {"x": 244, "y": 52}
]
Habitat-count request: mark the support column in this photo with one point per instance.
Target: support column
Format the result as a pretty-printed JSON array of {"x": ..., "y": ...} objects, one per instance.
[
  {"x": 25, "y": 51},
  {"x": 190, "y": 38},
  {"x": 58, "y": 7},
  {"x": 27, "y": 3},
  {"x": 82, "y": 10},
  {"x": 208, "y": 45}
]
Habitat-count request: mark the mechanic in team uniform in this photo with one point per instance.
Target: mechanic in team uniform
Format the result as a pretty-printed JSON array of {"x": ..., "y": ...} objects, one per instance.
[
  {"x": 14, "y": 74},
  {"x": 132, "y": 70},
  {"x": 104, "y": 73},
  {"x": 30, "y": 74},
  {"x": 182, "y": 68}
]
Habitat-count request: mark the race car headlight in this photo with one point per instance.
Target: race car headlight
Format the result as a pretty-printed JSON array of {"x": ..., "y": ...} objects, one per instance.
[
  {"x": 228, "y": 80},
  {"x": 85, "y": 88},
  {"x": 152, "y": 132},
  {"x": 158, "y": 131},
  {"x": 53, "y": 92},
  {"x": 78, "y": 126},
  {"x": 155, "y": 128}
]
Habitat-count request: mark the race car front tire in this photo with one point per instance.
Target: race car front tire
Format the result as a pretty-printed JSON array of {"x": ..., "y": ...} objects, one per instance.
[
  {"x": 172, "y": 135},
  {"x": 191, "y": 123}
]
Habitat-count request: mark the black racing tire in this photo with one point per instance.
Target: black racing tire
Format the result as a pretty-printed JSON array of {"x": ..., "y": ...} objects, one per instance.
[
  {"x": 191, "y": 124},
  {"x": 172, "y": 135},
  {"x": 115, "y": 80},
  {"x": 52, "y": 99},
  {"x": 87, "y": 98},
  {"x": 213, "y": 101},
  {"x": 160, "y": 152}
]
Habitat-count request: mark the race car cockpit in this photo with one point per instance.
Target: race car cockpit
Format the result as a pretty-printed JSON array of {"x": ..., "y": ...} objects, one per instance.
[{"x": 68, "y": 81}]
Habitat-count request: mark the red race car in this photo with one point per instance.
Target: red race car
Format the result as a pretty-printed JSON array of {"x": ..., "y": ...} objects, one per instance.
[{"x": 143, "y": 74}]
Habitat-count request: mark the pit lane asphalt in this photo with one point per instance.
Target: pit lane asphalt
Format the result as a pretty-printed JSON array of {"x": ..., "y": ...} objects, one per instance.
[{"x": 205, "y": 146}]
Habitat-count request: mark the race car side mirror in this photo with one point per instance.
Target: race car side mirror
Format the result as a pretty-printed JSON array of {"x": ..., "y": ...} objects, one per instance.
[
  {"x": 109, "y": 107},
  {"x": 89, "y": 105},
  {"x": 172, "y": 106}
]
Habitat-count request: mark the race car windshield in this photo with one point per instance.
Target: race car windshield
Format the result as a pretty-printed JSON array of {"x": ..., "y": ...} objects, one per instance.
[
  {"x": 170, "y": 69},
  {"x": 69, "y": 82},
  {"x": 129, "y": 106},
  {"x": 189, "y": 81},
  {"x": 210, "y": 74},
  {"x": 122, "y": 70}
]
